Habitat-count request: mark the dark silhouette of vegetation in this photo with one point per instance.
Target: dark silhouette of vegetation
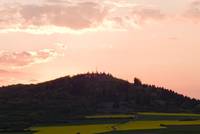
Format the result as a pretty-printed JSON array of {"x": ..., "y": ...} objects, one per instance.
[
  {"x": 137, "y": 82},
  {"x": 84, "y": 94},
  {"x": 17, "y": 126}
]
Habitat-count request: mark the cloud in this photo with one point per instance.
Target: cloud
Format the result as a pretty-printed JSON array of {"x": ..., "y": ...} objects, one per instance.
[
  {"x": 25, "y": 58},
  {"x": 142, "y": 15},
  {"x": 136, "y": 16},
  {"x": 11, "y": 63},
  {"x": 80, "y": 16},
  {"x": 74, "y": 16},
  {"x": 193, "y": 11}
]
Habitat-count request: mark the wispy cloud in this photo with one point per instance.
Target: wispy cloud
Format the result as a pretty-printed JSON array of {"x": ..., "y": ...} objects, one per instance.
[
  {"x": 11, "y": 64},
  {"x": 25, "y": 58},
  {"x": 193, "y": 11},
  {"x": 142, "y": 14},
  {"x": 136, "y": 16}
]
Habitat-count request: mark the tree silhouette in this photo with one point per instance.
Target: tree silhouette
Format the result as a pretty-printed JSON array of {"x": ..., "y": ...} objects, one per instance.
[
  {"x": 137, "y": 82},
  {"x": 91, "y": 93}
]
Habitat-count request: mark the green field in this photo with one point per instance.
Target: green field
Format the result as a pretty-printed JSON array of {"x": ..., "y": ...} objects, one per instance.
[
  {"x": 128, "y": 127},
  {"x": 140, "y": 123}
]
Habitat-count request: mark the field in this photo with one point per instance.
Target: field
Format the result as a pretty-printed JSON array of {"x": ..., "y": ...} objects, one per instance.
[
  {"x": 140, "y": 123},
  {"x": 148, "y": 123},
  {"x": 126, "y": 128}
]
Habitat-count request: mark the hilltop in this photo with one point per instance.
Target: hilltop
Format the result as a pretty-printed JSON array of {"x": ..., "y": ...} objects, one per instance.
[{"x": 88, "y": 94}]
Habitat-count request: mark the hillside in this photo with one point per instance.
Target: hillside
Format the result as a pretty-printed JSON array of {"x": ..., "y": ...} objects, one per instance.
[{"x": 84, "y": 94}]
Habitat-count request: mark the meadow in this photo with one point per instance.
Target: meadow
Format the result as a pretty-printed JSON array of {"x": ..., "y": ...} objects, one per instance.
[
  {"x": 140, "y": 123},
  {"x": 148, "y": 123}
]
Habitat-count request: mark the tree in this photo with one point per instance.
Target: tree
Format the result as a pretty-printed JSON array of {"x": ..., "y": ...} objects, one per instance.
[
  {"x": 197, "y": 108},
  {"x": 137, "y": 82}
]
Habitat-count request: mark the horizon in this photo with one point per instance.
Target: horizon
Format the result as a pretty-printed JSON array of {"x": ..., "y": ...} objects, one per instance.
[
  {"x": 96, "y": 72},
  {"x": 156, "y": 41}
]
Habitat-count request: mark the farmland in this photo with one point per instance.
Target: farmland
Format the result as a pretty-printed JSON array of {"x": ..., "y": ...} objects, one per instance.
[{"x": 148, "y": 123}]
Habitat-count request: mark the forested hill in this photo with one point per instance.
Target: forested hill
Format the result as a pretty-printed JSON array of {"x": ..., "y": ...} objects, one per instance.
[{"x": 90, "y": 93}]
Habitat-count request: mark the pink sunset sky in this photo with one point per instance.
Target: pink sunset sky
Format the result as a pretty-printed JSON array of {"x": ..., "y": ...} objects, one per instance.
[{"x": 155, "y": 40}]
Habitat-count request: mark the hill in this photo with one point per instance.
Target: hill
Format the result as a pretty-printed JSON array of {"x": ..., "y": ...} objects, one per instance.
[{"x": 87, "y": 94}]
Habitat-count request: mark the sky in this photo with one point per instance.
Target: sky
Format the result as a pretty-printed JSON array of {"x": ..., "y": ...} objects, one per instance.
[{"x": 157, "y": 41}]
